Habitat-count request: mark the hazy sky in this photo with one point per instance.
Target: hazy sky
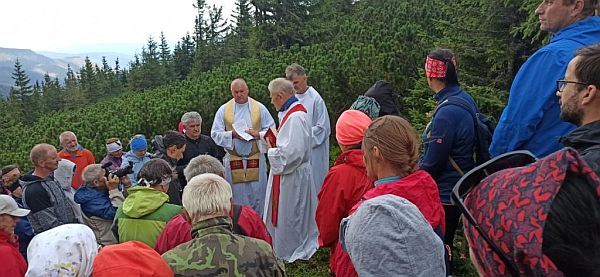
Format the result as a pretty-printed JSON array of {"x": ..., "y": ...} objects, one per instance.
[{"x": 76, "y": 26}]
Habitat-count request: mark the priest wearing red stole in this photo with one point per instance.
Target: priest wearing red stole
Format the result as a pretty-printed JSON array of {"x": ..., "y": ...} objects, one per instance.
[{"x": 291, "y": 199}]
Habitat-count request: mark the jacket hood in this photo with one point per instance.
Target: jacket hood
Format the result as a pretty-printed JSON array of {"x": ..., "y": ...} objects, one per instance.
[
  {"x": 29, "y": 179},
  {"x": 86, "y": 193},
  {"x": 583, "y": 137},
  {"x": 143, "y": 201},
  {"x": 64, "y": 173},
  {"x": 132, "y": 258},
  {"x": 384, "y": 94},
  {"x": 412, "y": 247},
  {"x": 132, "y": 157},
  {"x": 581, "y": 31},
  {"x": 352, "y": 157}
]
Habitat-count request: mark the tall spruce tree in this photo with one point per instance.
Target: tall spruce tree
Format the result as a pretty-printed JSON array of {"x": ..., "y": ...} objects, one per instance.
[{"x": 21, "y": 95}]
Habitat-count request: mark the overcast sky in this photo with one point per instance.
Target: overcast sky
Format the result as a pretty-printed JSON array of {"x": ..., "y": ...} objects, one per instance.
[{"x": 77, "y": 26}]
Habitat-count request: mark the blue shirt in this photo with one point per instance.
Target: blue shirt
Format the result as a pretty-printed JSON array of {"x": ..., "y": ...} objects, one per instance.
[{"x": 531, "y": 119}]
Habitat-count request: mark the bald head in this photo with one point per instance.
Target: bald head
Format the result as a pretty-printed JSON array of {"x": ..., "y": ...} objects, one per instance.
[
  {"x": 239, "y": 91},
  {"x": 41, "y": 152}
]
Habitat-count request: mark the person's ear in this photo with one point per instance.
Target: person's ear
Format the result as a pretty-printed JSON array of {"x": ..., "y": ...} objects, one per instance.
[
  {"x": 578, "y": 7},
  {"x": 231, "y": 207},
  {"x": 376, "y": 152},
  {"x": 590, "y": 94}
]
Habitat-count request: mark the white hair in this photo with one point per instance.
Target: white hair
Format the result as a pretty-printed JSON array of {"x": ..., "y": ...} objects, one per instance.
[
  {"x": 206, "y": 196},
  {"x": 281, "y": 85},
  {"x": 203, "y": 164},
  {"x": 92, "y": 172},
  {"x": 189, "y": 116},
  {"x": 64, "y": 134}
]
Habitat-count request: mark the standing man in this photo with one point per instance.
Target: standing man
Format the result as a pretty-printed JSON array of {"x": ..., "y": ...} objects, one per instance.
[
  {"x": 531, "y": 119},
  {"x": 318, "y": 120},
  {"x": 75, "y": 153},
  {"x": 291, "y": 197},
  {"x": 579, "y": 95},
  {"x": 245, "y": 166},
  {"x": 196, "y": 144},
  {"x": 43, "y": 195}
]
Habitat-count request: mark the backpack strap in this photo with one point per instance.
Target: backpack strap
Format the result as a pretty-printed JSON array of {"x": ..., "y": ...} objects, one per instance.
[
  {"x": 453, "y": 100},
  {"x": 237, "y": 229}
]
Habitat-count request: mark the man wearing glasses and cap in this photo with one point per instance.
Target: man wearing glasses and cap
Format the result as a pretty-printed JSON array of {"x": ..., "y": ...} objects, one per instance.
[
  {"x": 13, "y": 263},
  {"x": 579, "y": 97}
]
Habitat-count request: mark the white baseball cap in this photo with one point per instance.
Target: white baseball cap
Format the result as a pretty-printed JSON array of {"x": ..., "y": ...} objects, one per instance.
[{"x": 9, "y": 206}]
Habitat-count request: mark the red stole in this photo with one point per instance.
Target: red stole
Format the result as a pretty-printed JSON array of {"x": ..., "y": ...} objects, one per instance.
[{"x": 277, "y": 178}]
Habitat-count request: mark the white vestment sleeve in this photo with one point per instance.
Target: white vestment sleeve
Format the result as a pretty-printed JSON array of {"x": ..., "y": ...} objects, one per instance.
[
  {"x": 218, "y": 134},
  {"x": 322, "y": 128},
  {"x": 266, "y": 122},
  {"x": 291, "y": 145}
]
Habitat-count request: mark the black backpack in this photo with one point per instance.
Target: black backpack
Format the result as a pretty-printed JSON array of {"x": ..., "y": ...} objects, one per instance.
[{"x": 484, "y": 129}]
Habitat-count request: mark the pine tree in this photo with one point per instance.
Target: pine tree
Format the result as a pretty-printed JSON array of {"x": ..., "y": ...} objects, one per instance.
[
  {"x": 21, "y": 95},
  {"x": 183, "y": 56},
  {"x": 166, "y": 59}
]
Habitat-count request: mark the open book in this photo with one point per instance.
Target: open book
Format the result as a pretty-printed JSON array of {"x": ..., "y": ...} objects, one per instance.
[{"x": 271, "y": 135}]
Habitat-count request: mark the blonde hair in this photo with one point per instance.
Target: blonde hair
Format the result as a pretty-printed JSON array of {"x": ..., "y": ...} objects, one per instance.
[
  {"x": 397, "y": 142},
  {"x": 206, "y": 196}
]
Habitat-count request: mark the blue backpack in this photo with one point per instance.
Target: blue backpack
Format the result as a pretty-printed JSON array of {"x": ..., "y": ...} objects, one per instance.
[{"x": 484, "y": 129}]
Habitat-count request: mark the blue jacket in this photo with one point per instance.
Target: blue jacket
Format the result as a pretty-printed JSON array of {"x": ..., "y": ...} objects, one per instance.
[
  {"x": 23, "y": 230},
  {"x": 531, "y": 119},
  {"x": 137, "y": 165},
  {"x": 95, "y": 202},
  {"x": 451, "y": 133}
]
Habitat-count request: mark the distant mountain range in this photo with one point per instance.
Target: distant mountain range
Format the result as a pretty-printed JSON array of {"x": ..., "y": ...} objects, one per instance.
[{"x": 36, "y": 64}]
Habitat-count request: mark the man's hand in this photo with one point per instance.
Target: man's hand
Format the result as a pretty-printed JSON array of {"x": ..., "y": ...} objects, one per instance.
[
  {"x": 125, "y": 181},
  {"x": 253, "y": 133},
  {"x": 235, "y": 135},
  {"x": 112, "y": 182}
]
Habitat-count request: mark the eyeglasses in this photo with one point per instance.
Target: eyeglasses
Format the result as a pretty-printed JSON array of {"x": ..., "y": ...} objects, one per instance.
[
  {"x": 560, "y": 84},
  {"x": 472, "y": 178}
]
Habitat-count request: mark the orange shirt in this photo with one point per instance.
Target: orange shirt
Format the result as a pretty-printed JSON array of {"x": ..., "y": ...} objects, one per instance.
[{"x": 81, "y": 159}]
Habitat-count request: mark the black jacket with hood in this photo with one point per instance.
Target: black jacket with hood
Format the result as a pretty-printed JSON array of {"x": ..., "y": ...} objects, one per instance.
[{"x": 586, "y": 140}]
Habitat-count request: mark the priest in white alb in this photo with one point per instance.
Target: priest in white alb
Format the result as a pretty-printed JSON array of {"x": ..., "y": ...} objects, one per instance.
[
  {"x": 237, "y": 128},
  {"x": 318, "y": 118},
  {"x": 291, "y": 198}
]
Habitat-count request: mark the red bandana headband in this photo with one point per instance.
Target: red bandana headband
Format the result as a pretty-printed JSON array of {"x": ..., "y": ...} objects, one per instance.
[
  {"x": 512, "y": 206},
  {"x": 436, "y": 68}
]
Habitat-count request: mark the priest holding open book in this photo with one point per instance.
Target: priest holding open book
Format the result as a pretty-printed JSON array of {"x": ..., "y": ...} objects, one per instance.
[
  {"x": 291, "y": 197},
  {"x": 238, "y": 126}
]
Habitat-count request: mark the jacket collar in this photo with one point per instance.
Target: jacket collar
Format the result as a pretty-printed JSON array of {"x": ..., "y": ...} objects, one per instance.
[
  {"x": 583, "y": 137},
  {"x": 217, "y": 225},
  {"x": 451, "y": 90}
]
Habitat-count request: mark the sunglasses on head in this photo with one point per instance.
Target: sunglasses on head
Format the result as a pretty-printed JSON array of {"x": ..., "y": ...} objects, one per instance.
[{"x": 471, "y": 179}]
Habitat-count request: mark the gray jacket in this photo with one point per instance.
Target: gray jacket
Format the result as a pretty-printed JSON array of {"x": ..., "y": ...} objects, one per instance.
[
  {"x": 49, "y": 205},
  {"x": 388, "y": 236}
]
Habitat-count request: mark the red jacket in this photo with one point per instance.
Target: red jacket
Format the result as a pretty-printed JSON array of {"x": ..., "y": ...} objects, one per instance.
[
  {"x": 81, "y": 159},
  {"x": 178, "y": 230},
  {"x": 418, "y": 188},
  {"x": 13, "y": 263},
  {"x": 344, "y": 184}
]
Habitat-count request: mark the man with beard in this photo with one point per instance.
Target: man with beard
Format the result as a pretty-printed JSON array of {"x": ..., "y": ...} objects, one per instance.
[
  {"x": 75, "y": 153},
  {"x": 579, "y": 94}
]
